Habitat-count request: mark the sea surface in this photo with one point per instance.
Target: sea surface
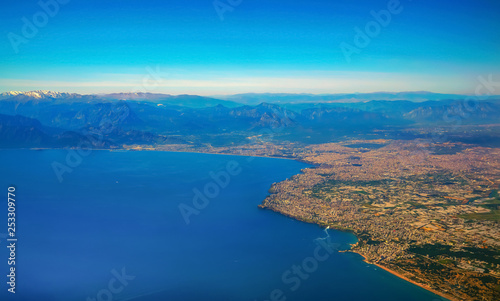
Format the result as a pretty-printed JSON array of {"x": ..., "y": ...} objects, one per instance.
[{"x": 111, "y": 228}]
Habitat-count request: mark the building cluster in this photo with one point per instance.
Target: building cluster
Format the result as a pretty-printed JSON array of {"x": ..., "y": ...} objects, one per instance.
[{"x": 400, "y": 197}]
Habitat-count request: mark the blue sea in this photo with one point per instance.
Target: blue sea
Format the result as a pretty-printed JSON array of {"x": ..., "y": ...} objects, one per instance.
[{"x": 126, "y": 225}]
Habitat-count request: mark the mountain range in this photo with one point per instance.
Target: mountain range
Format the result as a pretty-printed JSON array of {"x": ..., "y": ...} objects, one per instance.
[
  {"x": 53, "y": 119},
  {"x": 285, "y": 98}
]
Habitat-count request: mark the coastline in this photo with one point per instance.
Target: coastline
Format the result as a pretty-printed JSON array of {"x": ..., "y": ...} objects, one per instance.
[
  {"x": 170, "y": 151},
  {"x": 447, "y": 296},
  {"x": 207, "y": 153},
  {"x": 444, "y": 295},
  {"x": 441, "y": 294},
  {"x": 426, "y": 287}
]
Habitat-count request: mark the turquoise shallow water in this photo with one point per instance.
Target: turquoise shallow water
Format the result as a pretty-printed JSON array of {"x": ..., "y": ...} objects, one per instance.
[{"x": 113, "y": 230}]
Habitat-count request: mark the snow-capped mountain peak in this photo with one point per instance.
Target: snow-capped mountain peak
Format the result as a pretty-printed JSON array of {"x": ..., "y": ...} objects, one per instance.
[{"x": 39, "y": 94}]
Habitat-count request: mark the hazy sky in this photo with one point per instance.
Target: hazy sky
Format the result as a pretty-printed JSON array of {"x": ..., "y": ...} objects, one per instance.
[{"x": 236, "y": 46}]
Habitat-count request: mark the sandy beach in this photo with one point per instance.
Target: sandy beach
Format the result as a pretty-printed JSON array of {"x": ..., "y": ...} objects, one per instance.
[{"x": 449, "y": 297}]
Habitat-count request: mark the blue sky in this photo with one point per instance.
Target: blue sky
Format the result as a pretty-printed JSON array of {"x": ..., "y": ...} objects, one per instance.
[{"x": 180, "y": 46}]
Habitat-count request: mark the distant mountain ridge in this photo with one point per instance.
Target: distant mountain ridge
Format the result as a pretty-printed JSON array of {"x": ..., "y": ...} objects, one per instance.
[
  {"x": 282, "y": 98},
  {"x": 183, "y": 100},
  {"x": 38, "y": 94},
  {"x": 46, "y": 118},
  {"x": 246, "y": 98}
]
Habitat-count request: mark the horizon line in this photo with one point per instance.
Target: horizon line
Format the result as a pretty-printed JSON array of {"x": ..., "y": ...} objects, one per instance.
[{"x": 246, "y": 93}]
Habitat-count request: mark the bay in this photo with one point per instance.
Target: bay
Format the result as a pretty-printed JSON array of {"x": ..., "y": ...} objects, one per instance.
[{"x": 113, "y": 229}]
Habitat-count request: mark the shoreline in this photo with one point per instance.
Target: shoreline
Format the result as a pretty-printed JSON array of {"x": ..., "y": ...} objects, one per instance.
[
  {"x": 434, "y": 291},
  {"x": 441, "y": 294},
  {"x": 169, "y": 151},
  {"x": 444, "y": 295},
  {"x": 239, "y": 155}
]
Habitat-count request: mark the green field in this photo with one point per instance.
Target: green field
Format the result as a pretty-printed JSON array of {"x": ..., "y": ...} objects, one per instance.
[{"x": 494, "y": 215}]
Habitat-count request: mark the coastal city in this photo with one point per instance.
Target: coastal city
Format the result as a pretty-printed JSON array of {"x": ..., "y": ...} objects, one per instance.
[
  {"x": 422, "y": 211},
  {"x": 426, "y": 212}
]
